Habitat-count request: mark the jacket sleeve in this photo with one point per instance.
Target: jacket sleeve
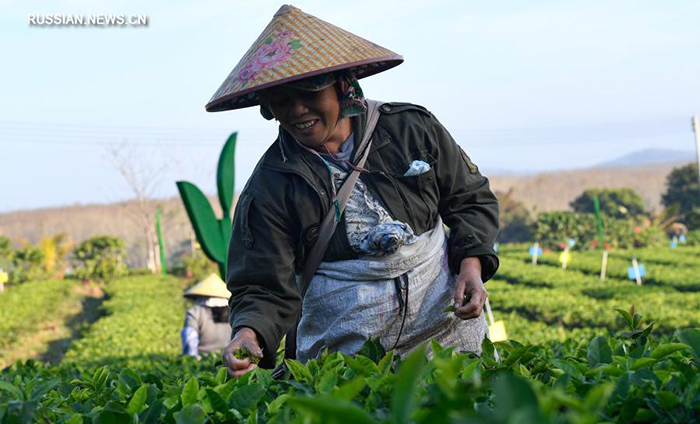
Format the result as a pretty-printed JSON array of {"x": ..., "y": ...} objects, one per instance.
[
  {"x": 467, "y": 205},
  {"x": 190, "y": 333},
  {"x": 260, "y": 272}
]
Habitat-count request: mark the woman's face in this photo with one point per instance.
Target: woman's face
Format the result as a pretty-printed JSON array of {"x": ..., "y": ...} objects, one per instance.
[{"x": 312, "y": 117}]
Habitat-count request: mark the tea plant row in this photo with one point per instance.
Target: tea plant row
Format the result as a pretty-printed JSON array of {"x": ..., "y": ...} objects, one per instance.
[
  {"x": 576, "y": 301},
  {"x": 627, "y": 378},
  {"x": 24, "y": 307},
  {"x": 143, "y": 320},
  {"x": 677, "y": 276}
]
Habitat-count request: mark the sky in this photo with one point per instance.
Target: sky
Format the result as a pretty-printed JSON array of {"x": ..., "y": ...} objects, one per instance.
[{"x": 521, "y": 85}]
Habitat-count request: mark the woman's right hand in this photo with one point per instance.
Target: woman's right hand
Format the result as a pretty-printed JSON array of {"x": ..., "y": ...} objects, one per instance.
[{"x": 245, "y": 338}]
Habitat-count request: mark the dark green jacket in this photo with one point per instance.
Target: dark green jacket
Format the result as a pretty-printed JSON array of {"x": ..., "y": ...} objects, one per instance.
[{"x": 278, "y": 213}]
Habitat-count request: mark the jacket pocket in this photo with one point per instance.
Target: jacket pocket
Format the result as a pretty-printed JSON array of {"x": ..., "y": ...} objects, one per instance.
[
  {"x": 241, "y": 216},
  {"x": 420, "y": 191}
]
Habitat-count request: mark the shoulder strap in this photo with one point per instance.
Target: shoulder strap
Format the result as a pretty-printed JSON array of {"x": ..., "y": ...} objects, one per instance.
[
  {"x": 326, "y": 231},
  {"x": 328, "y": 225}
]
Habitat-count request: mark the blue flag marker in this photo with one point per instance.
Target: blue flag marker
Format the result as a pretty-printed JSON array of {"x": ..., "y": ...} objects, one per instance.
[
  {"x": 535, "y": 252},
  {"x": 673, "y": 244},
  {"x": 682, "y": 238},
  {"x": 631, "y": 275},
  {"x": 572, "y": 242}
]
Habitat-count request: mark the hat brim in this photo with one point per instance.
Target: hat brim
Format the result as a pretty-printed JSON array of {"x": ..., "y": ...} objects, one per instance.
[
  {"x": 212, "y": 286},
  {"x": 194, "y": 296},
  {"x": 249, "y": 97}
]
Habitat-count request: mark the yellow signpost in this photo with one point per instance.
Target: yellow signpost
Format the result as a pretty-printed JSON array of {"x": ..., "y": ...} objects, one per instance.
[
  {"x": 497, "y": 331},
  {"x": 3, "y": 279},
  {"x": 565, "y": 258}
]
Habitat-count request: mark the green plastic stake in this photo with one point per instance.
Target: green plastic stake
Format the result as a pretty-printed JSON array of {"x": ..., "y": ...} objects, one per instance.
[
  {"x": 213, "y": 234},
  {"x": 598, "y": 221},
  {"x": 161, "y": 245}
]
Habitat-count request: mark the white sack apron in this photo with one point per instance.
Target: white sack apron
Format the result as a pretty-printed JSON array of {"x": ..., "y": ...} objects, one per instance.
[{"x": 351, "y": 301}]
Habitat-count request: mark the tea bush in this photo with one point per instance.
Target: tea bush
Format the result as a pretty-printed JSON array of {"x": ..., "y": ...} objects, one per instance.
[
  {"x": 554, "y": 229},
  {"x": 683, "y": 278},
  {"x": 630, "y": 377},
  {"x": 576, "y": 360},
  {"x": 144, "y": 316},
  {"x": 194, "y": 265},
  {"x": 27, "y": 264},
  {"x": 24, "y": 307},
  {"x": 100, "y": 258},
  {"x": 572, "y": 300}
]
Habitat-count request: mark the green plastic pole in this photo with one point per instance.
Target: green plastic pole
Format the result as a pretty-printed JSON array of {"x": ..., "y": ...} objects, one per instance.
[
  {"x": 598, "y": 221},
  {"x": 161, "y": 245}
]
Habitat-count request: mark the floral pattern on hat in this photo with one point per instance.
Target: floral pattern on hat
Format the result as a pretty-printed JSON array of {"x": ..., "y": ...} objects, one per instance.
[{"x": 274, "y": 51}]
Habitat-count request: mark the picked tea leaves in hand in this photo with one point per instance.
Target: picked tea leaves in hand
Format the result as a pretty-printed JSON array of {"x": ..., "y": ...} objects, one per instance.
[
  {"x": 451, "y": 308},
  {"x": 242, "y": 353}
]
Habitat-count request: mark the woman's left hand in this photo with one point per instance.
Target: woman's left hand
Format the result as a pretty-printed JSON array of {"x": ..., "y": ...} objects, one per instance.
[{"x": 467, "y": 283}]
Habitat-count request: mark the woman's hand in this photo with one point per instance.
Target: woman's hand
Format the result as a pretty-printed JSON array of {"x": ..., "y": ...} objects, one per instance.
[
  {"x": 246, "y": 339},
  {"x": 468, "y": 283}
]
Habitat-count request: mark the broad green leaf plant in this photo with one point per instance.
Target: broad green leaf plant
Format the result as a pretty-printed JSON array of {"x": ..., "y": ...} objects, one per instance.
[{"x": 213, "y": 234}]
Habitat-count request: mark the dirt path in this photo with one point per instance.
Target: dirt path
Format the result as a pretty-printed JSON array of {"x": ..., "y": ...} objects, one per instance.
[{"x": 52, "y": 339}]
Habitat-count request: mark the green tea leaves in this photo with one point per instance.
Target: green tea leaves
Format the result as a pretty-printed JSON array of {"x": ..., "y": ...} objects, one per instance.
[
  {"x": 138, "y": 401},
  {"x": 242, "y": 353},
  {"x": 691, "y": 337},
  {"x": 666, "y": 349},
  {"x": 246, "y": 397},
  {"x": 340, "y": 411},
  {"x": 190, "y": 392},
  {"x": 409, "y": 372},
  {"x": 599, "y": 352},
  {"x": 191, "y": 414}
]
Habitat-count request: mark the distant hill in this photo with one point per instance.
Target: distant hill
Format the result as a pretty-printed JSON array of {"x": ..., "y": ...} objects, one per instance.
[
  {"x": 555, "y": 190},
  {"x": 503, "y": 172},
  {"x": 538, "y": 191},
  {"x": 81, "y": 222},
  {"x": 650, "y": 156}
]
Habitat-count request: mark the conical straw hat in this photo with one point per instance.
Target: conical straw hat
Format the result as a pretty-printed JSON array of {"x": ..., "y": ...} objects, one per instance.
[
  {"x": 212, "y": 286},
  {"x": 293, "y": 46}
]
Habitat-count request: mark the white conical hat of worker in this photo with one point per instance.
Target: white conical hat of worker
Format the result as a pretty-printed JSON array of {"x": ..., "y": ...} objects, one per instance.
[
  {"x": 212, "y": 286},
  {"x": 294, "y": 46}
]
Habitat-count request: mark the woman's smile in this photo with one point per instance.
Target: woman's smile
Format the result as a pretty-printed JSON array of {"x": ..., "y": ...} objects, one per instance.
[
  {"x": 306, "y": 127},
  {"x": 312, "y": 117},
  {"x": 306, "y": 124}
]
